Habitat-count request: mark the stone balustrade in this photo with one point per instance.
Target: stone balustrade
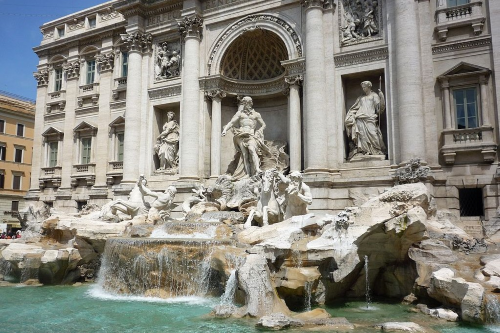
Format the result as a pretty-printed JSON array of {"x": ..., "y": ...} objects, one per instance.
[
  {"x": 460, "y": 141},
  {"x": 459, "y": 16}
]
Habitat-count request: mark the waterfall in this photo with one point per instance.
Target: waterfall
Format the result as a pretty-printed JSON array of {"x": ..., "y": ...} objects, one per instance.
[
  {"x": 157, "y": 267},
  {"x": 231, "y": 284},
  {"x": 296, "y": 256},
  {"x": 307, "y": 295},
  {"x": 492, "y": 309},
  {"x": 367, "y": 283}
]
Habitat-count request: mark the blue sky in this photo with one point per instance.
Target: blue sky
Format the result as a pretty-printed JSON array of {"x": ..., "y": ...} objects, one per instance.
[{"x": 20, "y": 22}]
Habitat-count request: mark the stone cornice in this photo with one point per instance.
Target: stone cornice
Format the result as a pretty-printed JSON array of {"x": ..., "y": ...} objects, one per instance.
[
  {"x": 236, "y": 87},
  {"x": 86, "y": 38},
  {"x": 191, "y": 26},
  {"x": 145, "y": 8},
  {"x": 360, "y": 57},
  {"x": 163, "y": 92},
  {"x": 462, "y": 45}
]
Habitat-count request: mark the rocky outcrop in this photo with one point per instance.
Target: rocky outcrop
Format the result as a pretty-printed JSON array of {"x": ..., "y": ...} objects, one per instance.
[
  {"x": 260, "y": 295},
  {"x": 278, "y": 321},
  {"x": 401, "y": 327},
  {"x": 458, "y": 293}
]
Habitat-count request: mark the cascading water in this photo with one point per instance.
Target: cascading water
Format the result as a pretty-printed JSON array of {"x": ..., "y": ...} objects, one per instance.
[
  {"x": 228, "y": 297},
  {"x": 307, "y": 295},
  {"x": 492, "y": 309},
  {"x": 157, "y": 267},
  {"x": 367, "y": 282}
]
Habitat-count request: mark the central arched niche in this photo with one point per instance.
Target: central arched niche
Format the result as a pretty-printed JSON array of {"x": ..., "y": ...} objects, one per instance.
[
  {"x": 255, "y": 55},
  {"x": 254, "y": 58}
]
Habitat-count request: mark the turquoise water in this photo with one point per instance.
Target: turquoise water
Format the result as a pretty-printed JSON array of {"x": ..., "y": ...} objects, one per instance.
[{"x": 87, "y": 309}]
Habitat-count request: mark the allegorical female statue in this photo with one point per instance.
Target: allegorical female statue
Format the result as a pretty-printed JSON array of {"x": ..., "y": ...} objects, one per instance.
[
  {"x": 167, "y": 145},
  {"x": 363, "y": 125}
]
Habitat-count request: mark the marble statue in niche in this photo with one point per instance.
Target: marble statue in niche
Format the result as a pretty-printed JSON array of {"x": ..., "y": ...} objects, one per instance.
[
  {"x": 167, "y": 146},
  {"x": 167, "y": 61},
  {"x": 362, "y": 124},
  {"x": 360, "y": 21},
  {"x": 248, "y": 130}
]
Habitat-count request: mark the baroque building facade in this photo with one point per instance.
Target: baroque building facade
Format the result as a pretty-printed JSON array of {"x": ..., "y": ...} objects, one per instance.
[
  {"x": 349, "y": 90},
  {"x": 17, "y": 122}
]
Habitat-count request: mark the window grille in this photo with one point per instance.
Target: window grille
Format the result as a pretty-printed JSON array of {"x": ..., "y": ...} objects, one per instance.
[{"x": 471, "y": 201}]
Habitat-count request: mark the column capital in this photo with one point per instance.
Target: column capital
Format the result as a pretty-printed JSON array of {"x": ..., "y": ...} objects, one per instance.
[
  {"x": 106, "y": 61},
  {"x": 42, "y": 77},
  {"x": 72, "y": 69},
  {"x": 322, "y": 4},
  {"x": 215, "y": 94},
  {"x": 191, "y": 26},
  {"x": 484, "y": 78},
  {"x": 138, "y": 41},
  {"x": 294, "y": 80}
]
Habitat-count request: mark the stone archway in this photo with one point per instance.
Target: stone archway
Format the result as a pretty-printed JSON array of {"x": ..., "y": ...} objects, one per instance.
[{"x": 265, "y": 22}]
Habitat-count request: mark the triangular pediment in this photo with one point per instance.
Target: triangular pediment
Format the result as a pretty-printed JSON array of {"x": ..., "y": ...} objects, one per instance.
[
  {"x": 118, "y": 121},
  {"x": 52, "y": 131},
  {"x": 466, "y": 68},
  {"x": 85, "y": 126}
]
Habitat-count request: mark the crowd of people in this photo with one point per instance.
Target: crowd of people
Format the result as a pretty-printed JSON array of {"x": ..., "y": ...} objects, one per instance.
[{"x": 10, "y": 234}]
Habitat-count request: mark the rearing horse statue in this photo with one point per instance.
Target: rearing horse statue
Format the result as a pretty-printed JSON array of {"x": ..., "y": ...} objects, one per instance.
[{"x": 268, "y": 209}]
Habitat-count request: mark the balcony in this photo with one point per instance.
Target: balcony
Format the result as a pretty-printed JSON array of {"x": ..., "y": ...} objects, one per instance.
[
  {"x": 119, "y": 86},
  {"x": 115, "y": 170},
  {"x": 83, "y": 172},
  {"x": 467, "y": 143},
  {"x": 50, "y": 175},
  {"x": 470, "y": 14},
  {"x": 56, "y": 101},
  {"x": 88, "y": 95}
]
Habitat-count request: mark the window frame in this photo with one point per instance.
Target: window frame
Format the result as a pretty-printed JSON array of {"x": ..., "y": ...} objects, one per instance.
[
  {"x": 448, "y": 5},
  {"x": 124, "y": 67},
  {"x": 464, "y": 88},
  {"x": 61, "y": 31},
  {"x": 14, "y": 175},
  {"x": 12, "y": 208},
  {"x": 50, "y": 154},
  {"x": 90, "y": 71},
  {"x": 20, "y": 149},
  {"x": 82, "y": 150},
  {"x": 91, "y": 19},
  {"x": 2, "y": 179},
  {"x": 2, "y": 128},
  {"x": 24, "y": 130},
  {"x": 3, "y": 153},
  {"x": 58, "y": 79}
]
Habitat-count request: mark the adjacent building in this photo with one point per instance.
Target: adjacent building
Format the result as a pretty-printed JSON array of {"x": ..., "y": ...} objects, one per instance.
[
  {"x": 17, "y": 118},
  {"x": 110, "y": 76}
]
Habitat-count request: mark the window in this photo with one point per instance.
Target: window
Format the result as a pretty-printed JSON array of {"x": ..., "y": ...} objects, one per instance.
[
  {"x": 124, "y": 64},
  {"x": 58, "y": 75},
  {"x": 90, "y": 71},
  {"x": 471, "y": 201},
  {"x": 86, "y": 150},
  {"x": 80, "y": 205},
  {"x": 53, "y": 149},
  {"x": 3, "y": 152},
  {"x": 60, "y": 31},
  {"x": 466, "y": 107},
  {"x": 2, "y": 180},
  {"x": 14, "y": 207},
  {"x": 18, "y": 155},
  {"x": 16, "y": 182},
  {"x": 2, "y": 126},
  {"x": 20, "y": 130},
  {"x": 119, "y": 148},
  {"x": 92, "y": 22},
  {"x": 454, "y": 3}
]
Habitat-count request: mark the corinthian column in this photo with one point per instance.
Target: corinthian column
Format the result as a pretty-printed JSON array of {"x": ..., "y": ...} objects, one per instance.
[
  {"x": 137, "y": 43},
  {"x": 314, "y": 88},
  {"x": 409, "y": 81},
  {"x": 294, "y": 123},
  {"x": 190, "y": 28},
  {"x": 216, "y": 96}
]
